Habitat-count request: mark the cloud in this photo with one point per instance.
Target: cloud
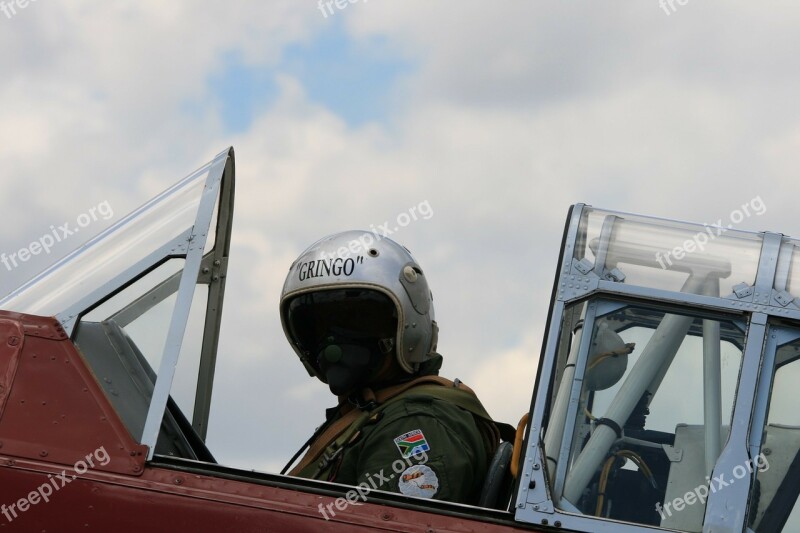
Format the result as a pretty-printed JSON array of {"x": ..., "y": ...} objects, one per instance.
[
  {"x": 504, "y": 379},
  {"x": 509, "y": 115}
]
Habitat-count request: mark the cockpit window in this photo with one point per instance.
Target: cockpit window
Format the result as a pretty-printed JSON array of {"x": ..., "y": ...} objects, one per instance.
[
  {"x": 641, "y": 412},
  {"x": 662, "y": 255},
  {"x": 123, "y": 340},
  {"x": 107, "y": 256},
  {"x": 142, "y": 312},
  {"x": 773, "y": 502}
]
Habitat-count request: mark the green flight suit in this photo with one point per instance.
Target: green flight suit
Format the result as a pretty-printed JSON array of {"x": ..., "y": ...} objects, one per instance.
[
  {"x": 450, "y": 464},
  {"x": 418, "y": 444}
]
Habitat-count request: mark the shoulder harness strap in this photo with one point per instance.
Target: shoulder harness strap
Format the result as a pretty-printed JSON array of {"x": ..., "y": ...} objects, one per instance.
[{"x": 329, "y": 446}]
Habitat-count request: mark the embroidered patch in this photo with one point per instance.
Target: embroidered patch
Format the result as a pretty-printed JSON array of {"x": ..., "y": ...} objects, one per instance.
[
  {"x": 419, "y": 481},
  {"x": 412, "y": 443}
]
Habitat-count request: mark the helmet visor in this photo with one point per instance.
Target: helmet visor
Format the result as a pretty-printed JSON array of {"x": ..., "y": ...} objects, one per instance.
[{"x": 317, "y": 319}]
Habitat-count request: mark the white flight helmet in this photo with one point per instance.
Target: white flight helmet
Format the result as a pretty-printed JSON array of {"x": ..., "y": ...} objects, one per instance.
[{"x": 354, "y": 288}]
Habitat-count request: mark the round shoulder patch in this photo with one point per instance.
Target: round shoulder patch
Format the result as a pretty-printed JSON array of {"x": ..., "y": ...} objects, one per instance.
[{"x": 419, "y": 481}]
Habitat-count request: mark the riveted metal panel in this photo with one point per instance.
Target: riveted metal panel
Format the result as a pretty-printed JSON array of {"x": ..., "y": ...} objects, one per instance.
[{"x": 54, "y": 408}]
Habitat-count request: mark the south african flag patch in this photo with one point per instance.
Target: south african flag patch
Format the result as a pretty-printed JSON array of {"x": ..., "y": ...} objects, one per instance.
[{"x": 412, "y": 443}]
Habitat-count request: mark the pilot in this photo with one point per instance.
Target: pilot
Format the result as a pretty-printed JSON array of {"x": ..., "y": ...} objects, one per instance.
[{"x": 358, "y": 312}]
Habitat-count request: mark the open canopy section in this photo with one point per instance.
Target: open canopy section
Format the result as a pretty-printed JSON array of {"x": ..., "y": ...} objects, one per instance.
[
  {"x": 156, "y": 231},
  {"x": 143, "y": 303}
]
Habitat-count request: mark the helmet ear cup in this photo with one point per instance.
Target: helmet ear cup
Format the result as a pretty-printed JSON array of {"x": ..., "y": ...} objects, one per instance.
[
  {"x": 434, "y": 337},
  {"x": 416, "y": 287}
]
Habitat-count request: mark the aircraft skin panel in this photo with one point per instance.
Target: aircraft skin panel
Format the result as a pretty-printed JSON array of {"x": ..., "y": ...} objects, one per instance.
[
  {"x": 55, "y": 418},
  {"x": 55, "y": 410},
  {"x": 162, "y": 500}
]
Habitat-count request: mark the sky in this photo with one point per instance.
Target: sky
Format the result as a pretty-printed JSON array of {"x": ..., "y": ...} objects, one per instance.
[{"x": 493, "y": 117}]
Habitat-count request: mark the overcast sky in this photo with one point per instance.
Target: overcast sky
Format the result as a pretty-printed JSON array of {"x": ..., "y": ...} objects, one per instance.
[{"x": 496, "y": 116}]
